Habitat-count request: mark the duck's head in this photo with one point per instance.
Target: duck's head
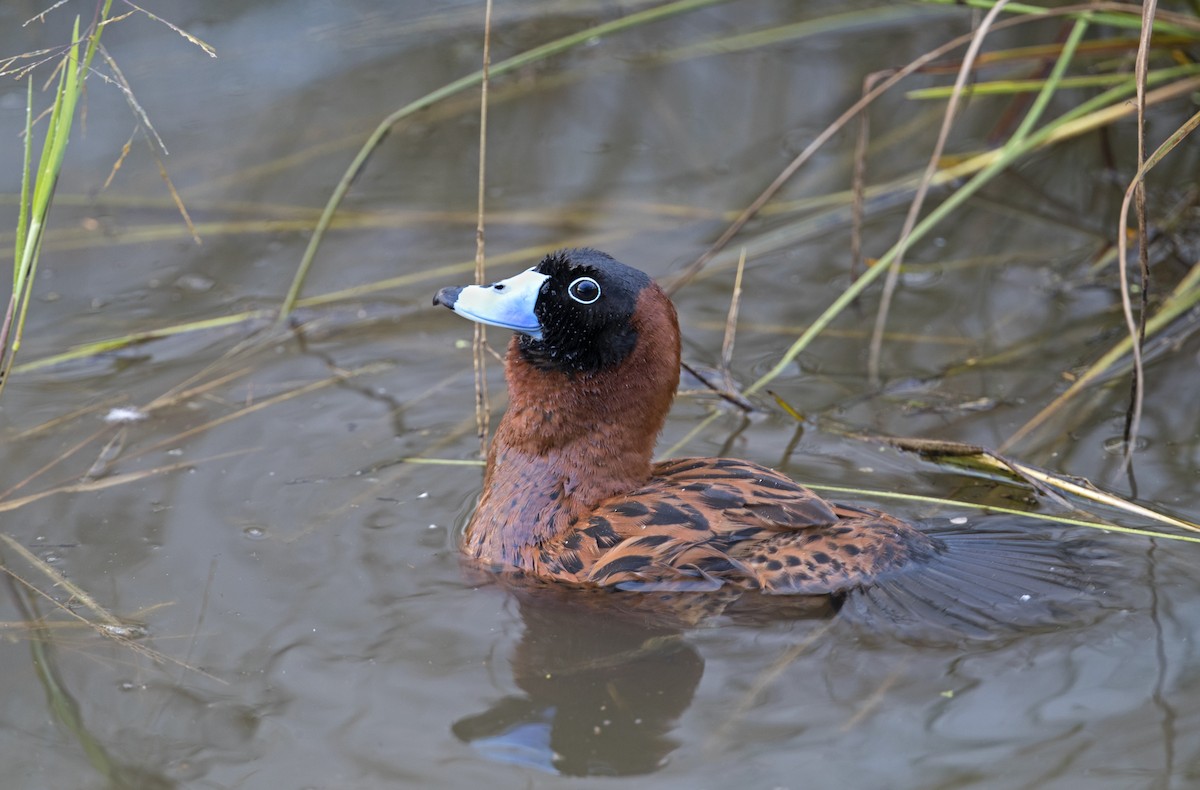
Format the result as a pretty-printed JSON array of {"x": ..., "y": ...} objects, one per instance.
[{"x": 577, "y": 311}]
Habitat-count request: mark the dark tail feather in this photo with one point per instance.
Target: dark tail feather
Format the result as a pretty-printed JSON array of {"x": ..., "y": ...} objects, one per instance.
[{"x": 987, "y": 582}]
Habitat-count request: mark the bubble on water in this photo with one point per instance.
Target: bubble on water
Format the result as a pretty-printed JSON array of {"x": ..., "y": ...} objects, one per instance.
[{"x": 255, "y": 533}]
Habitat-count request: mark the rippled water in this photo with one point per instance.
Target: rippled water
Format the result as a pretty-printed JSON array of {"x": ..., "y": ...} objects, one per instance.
[{"x": 308, "y": 622}]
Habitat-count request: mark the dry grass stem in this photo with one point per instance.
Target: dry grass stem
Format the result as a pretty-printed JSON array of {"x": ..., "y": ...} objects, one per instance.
[
  {"x": 483, "y": 408},
  {"x": 175, "y": 196},
  {"x": 893, "y": 274},
  {"x": 58, "y": 580},
  {"x": 118, "y": 79},
  {"x": 858, "y": 181},
  {"x": 208, "y": 50},
  {"x": 726, "y": 388},
  {"x": 124, "y": 634},
  {"x": 1045, "y": 483},
  {"x": 1137, "y": 329}
]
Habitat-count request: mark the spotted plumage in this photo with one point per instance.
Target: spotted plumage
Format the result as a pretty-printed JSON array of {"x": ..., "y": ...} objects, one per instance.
[{"x": 570, "y": 494}]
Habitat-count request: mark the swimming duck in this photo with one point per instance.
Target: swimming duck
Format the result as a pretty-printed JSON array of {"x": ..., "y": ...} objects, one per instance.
[{"x": 571, "y": 495}]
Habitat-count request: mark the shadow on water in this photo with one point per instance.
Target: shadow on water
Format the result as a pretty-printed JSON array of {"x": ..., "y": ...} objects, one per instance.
[
  {"x": 601, "y": 699},
  {"x": 606, "y": 675}
]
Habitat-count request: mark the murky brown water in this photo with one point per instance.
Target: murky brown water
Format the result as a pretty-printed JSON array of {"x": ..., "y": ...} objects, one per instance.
[{"x": 302, "y": 586}]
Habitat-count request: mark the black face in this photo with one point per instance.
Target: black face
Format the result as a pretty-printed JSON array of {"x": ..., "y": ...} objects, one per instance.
[{"x": 585, "y": 310}]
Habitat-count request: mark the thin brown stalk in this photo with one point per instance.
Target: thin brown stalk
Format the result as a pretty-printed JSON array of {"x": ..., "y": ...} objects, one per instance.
[
  {"x": 858, "y": 182},
  {"x": 120, "y": 161},
  {"x": 893, "y": 274},
  {"x": 1137, "y": 328},
  {"x": 175, "y": 197},
  {"x": 726, "y": 389},
  {"x": 479, "y": 345}
]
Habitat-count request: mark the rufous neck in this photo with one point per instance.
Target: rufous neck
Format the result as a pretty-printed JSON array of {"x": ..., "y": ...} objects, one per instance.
[
  {"x": 608, "y": 420},
  {"x": 569, "y": 441}
]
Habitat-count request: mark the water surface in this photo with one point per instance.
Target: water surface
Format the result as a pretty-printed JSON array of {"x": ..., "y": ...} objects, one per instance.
[{"x": 300, "y": 585}]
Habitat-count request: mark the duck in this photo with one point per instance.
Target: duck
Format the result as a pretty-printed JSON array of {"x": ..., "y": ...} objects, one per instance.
[{"x": 571, "y": 493}]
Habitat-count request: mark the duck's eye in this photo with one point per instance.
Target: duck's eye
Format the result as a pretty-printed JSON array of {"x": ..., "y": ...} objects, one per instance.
[{"x": 584, "y": 290}]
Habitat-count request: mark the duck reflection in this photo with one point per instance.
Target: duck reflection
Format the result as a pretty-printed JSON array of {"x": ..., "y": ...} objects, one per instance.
[{"x": 603, "y": 685}]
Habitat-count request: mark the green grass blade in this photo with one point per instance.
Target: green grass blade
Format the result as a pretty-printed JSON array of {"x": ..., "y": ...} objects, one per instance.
[
  {"x": 26, "y": 172},
  {"x": 1179, "y": 24},
  {"x": 1010, "y": 87},
  {"x": 54, "y": 147}
]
